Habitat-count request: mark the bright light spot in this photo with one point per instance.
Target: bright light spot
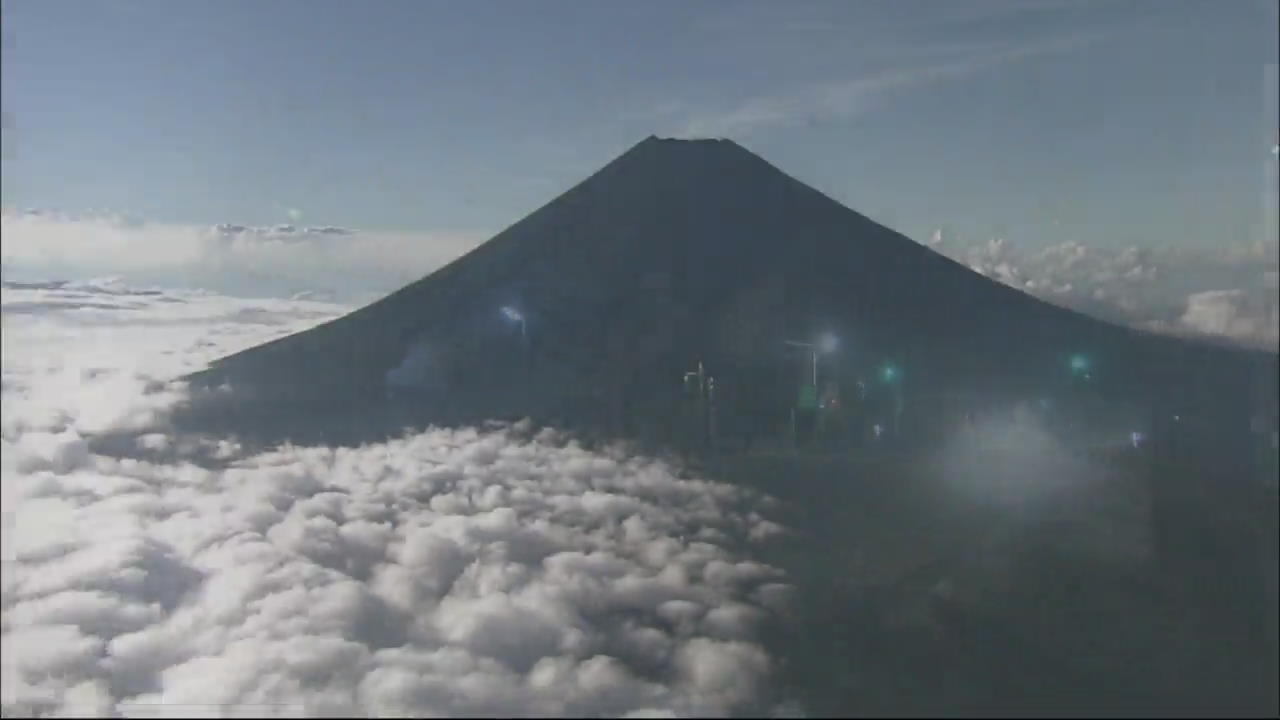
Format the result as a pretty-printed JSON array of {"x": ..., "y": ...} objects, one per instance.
[
  {"x": 1079, "y": 363},
  {"x": 828, "y": 343},
  {"x": 878, "y": 429},
  {"x": 512, "y": 314},
  {"x": 1137, "y": 438},
  {"x": 890, "y": 373}
]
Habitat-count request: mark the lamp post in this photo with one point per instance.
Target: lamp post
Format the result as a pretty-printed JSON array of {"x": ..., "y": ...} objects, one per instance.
[
  {"x": 704, "y": 388},
  {"x": 825, "y": 344}
]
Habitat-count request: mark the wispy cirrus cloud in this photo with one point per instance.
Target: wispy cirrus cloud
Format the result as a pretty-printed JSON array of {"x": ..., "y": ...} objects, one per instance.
[
  {"x": 850, "y": 97},
  {"x": 952, "y": 14},
  {"x": 885, "y": 16}
]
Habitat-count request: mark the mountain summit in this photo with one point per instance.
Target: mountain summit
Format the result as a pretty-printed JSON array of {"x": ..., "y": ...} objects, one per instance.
[{"x": 589, "y": 311}]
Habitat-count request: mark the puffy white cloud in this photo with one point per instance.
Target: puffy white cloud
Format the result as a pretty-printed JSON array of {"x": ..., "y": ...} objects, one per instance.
[
  {"x": 1228, "y": 293},
  {"x": 275, "y": 261},
  {"x": 495, "y": 571},
  {"x": 1232, "y": 314}
]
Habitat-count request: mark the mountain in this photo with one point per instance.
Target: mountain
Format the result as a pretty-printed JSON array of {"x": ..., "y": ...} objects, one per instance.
[
  {"x": 682, "y": 251},
  {"x": 589, "y": 312}
]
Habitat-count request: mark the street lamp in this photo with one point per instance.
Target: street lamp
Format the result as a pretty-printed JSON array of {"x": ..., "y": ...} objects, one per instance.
[
  {"x": 825, "y": 344},
  {"x": 828, "y": 343},
  {"x": 704, "y": 387}
]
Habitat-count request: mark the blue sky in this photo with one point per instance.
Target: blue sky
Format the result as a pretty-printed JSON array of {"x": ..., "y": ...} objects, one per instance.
[{"x": 1111, "y": 123}]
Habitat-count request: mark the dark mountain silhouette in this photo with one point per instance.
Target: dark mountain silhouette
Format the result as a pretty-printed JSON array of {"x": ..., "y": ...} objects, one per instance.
[
  {"x": 675, "y": 252},
  {"x": 680, "y": 252}
]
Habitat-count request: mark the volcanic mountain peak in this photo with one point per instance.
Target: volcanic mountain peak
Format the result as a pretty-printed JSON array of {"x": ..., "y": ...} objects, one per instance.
[
  {"x": 655, "y": 138},
  {"x": 682, "y": 155},
  {"x": 677, "y": 143},
  {"x": 677, "y": 251}
]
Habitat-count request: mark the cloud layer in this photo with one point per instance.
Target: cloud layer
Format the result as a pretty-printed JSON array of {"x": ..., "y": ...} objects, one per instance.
[
  {"x": 235, "y": 259},
  {"x": 495, "y": 571},
  {"x": 1228, "y": 293}
]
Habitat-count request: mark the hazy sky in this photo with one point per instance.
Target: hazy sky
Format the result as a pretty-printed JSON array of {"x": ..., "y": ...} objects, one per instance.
[{"x": 1110, "y": 123}]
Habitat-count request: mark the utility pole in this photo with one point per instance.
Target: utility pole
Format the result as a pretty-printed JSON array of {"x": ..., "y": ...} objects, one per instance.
[
  {"x": 702, "y": 387},
  {"x": 808, "y": 396},
  {"x": 710, "y": 409}
]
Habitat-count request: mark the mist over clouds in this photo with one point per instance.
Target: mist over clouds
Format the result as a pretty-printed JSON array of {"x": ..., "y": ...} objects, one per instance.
[
  {"x": 281, "y": 260},
  {"x": 496, "y": 571}
]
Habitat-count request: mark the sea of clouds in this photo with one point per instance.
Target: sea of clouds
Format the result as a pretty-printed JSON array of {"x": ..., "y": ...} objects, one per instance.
[
  {"x": 502, "y": 570},
  {"x": 327, "y": 262}
]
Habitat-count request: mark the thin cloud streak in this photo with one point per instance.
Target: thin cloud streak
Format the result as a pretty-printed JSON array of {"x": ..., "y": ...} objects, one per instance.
[{"x": 849, "y": 98}]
